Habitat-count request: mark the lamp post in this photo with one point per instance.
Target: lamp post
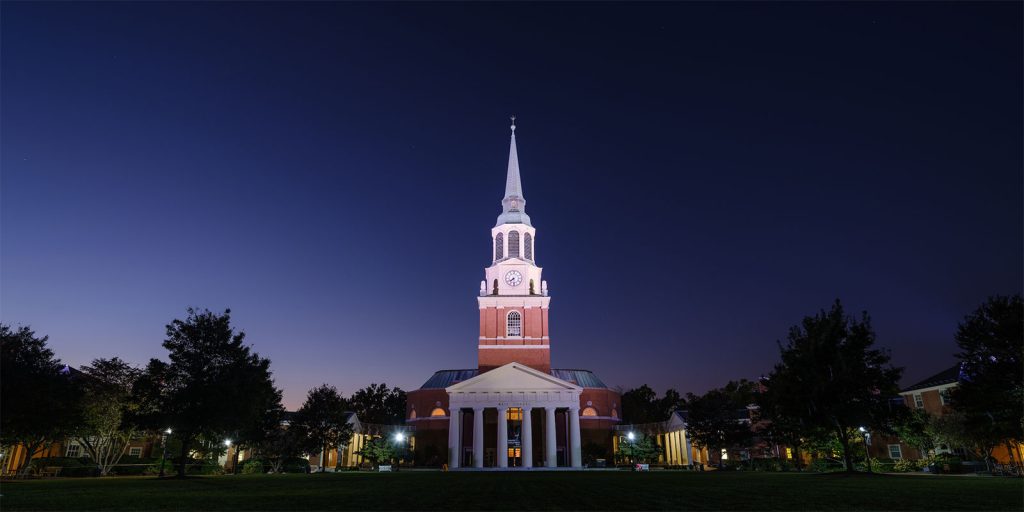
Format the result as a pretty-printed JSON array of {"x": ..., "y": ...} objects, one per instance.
[
  {"x": 399, "y": 441},
  {"x": 631, "y": 437},
  {"x": 227, "y": 449},
  {"x": 163, "y": 445},
  {"x": 867, "y": 442}
]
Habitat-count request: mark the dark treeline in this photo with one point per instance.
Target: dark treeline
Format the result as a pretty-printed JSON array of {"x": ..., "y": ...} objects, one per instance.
[
  {"x": 832, "y": 384},
  {"x": 212, "y": 390}
]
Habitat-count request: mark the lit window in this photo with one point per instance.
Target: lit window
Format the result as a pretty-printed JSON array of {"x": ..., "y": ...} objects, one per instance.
[
  {"x": 135, "y": 451},
  {"x": 514, "y": 413},
  {"x": 514, "y": 324},
  {"x": 918, "y": 401},
  {"x": 528, "y": 246},
  {"x": 438, "y": 412},
  {"x": 589, "y": 411},
  {"x": 789, "y": 453},
  {"x": 74, "y": 450},
  {"x": 895, "y": 452},
  {"x": 513, "y": 244},
  {"x": 499, "y": 246}
]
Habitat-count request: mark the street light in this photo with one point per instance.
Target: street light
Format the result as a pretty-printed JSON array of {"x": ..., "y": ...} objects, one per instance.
[
  {"x": 163, "y": 444},
  {"x": 867, "y": 454},
  {"x": 399, "y": 440}
]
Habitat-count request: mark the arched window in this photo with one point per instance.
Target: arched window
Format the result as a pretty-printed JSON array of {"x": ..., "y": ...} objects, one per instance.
[
  {"x": 615, "y": 414},
  {"x": 513, "y": 244},
  {"x": 438, "y": 412},
  {"x": 588, "y": 411},
  {"x": 528, "y": 246},
  {"x": 499, "y": 246},
  {"x": 412, "y": 415},
  {"x": 514, "y": 324}
]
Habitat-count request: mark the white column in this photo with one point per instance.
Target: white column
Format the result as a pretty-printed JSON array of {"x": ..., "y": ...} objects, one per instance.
[
  {"x": 453, "y": 438},
  {"x": 688, "y": 448},
  {"x": 550, "y": 455},
  {"x": 502, "y": 437},
  {"x": 670, "y": 441},
  {"x": 527, "y": 438},
  {"x": 574, "y": 437},
  {"x": 478, "y": 437}
]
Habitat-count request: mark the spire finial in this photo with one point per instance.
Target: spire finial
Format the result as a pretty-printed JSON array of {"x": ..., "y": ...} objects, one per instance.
[{"x": 513, "y": 118}]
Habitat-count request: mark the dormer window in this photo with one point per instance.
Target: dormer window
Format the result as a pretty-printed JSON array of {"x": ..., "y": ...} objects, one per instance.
[{"x": 514, "y": 324}]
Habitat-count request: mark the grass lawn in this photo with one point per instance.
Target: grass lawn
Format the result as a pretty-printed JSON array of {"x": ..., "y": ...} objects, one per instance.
[{"x": 409, "y": 490}]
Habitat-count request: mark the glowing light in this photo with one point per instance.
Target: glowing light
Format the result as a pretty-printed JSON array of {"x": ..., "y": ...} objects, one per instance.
[
  {"x": 631, "y": 436},
  {"x": 399, "y": 437}
]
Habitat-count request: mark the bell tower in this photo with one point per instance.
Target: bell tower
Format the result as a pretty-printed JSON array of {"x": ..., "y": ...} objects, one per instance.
[{"x": 513, "y": 297}]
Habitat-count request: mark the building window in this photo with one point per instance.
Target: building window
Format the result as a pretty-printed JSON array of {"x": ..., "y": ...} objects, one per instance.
[
  {"x": 135, "y": 451},
  {"x": 514, "y": 414},
  {"x": 895, "y": 452},
  {"x": 514, "y": 324},
  {"x": 73, "y": 450},
  {"x": 789, "y": 453},
  {"x": 918, "y": 401},
  {"x": 528, "y": 246},
  {"x": 438, "y": 412},
  {"x": 499, "y": 246},
  {"x": 412, "y": 415},
  {"x": 513, "y": 244},
  {"x": 944, "y": 397},
  {"x": 589, "y": 411}
]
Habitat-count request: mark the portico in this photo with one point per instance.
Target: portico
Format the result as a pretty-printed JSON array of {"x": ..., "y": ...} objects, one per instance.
[{"x": 514, "y": 392}]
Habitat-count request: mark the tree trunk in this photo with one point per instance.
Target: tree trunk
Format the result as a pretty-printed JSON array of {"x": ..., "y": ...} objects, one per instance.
[
  {"x": 30, "y": 450},
  {"x": 185, "y": 441},
  {"x": 234, "y": 460},
  {"x": 847, "y": 456}
]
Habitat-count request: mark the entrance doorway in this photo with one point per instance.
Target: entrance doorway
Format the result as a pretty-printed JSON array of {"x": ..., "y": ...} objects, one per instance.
[{"x": 515, "y": 437}]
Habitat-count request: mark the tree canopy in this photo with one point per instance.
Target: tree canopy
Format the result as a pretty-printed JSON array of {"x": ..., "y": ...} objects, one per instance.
[
  {"x": 719, "y": 418},
  {"x": 40, "y": 402},
  {"x": 323, "y": 420},
  {"x": 831, "y": 378},
  {"x": 214, "y": 386},
  {"x": 378, "y": 404},
  {"x": 642, "y": 405},
  {"x": 108, "y": 407},
  {"x": 991, "y": 388}
]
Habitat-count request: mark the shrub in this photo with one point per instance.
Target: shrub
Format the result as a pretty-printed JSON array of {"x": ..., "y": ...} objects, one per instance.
[
  {"x": 253, "y": 467},
  {"x": 905, "y": 466}
]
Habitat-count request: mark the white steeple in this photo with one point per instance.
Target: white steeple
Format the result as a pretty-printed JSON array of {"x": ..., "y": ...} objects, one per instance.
[{"x": 513, "y": 205}]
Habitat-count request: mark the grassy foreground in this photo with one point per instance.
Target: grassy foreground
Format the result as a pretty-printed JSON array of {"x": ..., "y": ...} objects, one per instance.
[{"x": 520, "y": 491}]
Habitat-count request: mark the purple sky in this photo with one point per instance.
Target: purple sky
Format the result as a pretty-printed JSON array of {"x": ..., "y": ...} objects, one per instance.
[{"x": 700, "y": 176}]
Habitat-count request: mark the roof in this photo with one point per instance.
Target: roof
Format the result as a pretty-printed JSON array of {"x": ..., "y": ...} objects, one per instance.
[
  {"x": 947, "y": 376},
  {"x": 444, "y": 378}
]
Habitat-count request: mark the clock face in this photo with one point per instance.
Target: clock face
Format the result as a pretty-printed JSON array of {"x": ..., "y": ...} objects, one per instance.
[{"x": 513, "y": 278}]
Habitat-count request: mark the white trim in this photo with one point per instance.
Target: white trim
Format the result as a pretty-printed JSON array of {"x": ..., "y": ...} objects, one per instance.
[
  {"x": 427, "y": 418},
  {"x": 492, "y": 347},
  {"x": 610, "y": 418},
  {"x": 940, "y": 387},
  {"x": 516, "y": 338}
]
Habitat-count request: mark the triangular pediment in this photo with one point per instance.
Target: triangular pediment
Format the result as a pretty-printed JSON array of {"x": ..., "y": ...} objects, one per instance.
[{"x": 513, "y": 377}]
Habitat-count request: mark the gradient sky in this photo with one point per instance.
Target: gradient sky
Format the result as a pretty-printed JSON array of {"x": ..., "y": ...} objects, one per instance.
[{"x": 701, "y": 177}]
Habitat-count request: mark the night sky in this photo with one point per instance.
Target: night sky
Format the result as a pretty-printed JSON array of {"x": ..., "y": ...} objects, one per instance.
[{"x": 700, "y": 176}]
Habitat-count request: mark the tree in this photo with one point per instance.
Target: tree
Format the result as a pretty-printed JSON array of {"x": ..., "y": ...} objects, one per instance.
[
  {"x": 39, "y": 402},
  {"x": 107, "y": 408},
  {"x": 281, "y": 444},
  {"x": 991, "y": 388},
  {"x": 378, "y": 404},
  {"x": 642, "y": 449},
  {"x": 324, "y": 420},
  {"x": 213, "y": 387},
  {"x": 378, "y": 450},
  {"x": 914, "y": 428},
  {"x": 642, "y": 405},
  {"x": 719, "y": 418},
  {"x": 831, "y": 378}
]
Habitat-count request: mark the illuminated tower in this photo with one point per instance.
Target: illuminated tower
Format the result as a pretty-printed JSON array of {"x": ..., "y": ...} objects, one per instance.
[{"x": 513, "y": 298}]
